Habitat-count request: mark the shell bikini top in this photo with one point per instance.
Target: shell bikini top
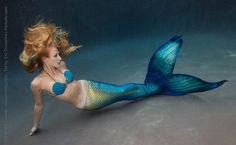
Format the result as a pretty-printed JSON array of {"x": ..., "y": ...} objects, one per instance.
[{"x": 59, "y": 88}]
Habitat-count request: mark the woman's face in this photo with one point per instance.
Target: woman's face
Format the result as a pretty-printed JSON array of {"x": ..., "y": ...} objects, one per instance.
[{"x": 53, "y": 58}]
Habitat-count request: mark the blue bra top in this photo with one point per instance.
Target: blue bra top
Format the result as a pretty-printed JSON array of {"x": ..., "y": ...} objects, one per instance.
[{"x": 59, "y": 88}]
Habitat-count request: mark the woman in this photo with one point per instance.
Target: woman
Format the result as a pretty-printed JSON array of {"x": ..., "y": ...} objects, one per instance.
[{"x": 45, "y": 48}]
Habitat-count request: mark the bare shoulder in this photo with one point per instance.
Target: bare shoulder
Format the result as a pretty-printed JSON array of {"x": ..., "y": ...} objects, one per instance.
[
  {"x": 36, "y": 83},
  {"x": 37, "y": 89}
]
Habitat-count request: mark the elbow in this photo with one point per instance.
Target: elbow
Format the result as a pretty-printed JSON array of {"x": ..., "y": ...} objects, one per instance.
[{"x": 38, "y": 107}]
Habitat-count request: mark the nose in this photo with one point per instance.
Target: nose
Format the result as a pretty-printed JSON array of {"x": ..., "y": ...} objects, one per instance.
[{"x": 59, "y": 57}]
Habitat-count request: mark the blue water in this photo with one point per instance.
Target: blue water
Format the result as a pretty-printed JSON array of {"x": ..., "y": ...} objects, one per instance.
[{"x": 119, "y": 38}]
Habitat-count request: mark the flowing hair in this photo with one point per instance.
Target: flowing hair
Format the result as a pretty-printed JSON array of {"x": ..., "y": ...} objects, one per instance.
[{"x": 36, "y": 40}]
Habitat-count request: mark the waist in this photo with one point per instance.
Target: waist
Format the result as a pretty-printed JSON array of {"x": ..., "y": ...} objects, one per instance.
[{"x": 83, "y": 85}]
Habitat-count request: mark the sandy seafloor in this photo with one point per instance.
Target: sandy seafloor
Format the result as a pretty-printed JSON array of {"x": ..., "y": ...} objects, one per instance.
[{"x": 207, "y": 118}]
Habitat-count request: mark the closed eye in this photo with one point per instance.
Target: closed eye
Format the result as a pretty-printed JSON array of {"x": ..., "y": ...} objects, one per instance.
[{"x": 56, "y": 55}]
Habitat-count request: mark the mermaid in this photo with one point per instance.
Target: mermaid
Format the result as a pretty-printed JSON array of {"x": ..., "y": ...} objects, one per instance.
[{"x": 45, "y": 48}]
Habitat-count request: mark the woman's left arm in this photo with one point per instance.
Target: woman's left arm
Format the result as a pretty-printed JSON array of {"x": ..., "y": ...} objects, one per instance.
[{"x": 38, "y": 107}]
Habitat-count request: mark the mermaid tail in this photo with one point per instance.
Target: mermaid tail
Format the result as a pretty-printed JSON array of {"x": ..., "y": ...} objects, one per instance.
[
  {"x": 159, "y": 80},
  {"x": 182, "y": 84},
  {"x": 100, "y": 94},
  {"x": 160, "y": 72}
]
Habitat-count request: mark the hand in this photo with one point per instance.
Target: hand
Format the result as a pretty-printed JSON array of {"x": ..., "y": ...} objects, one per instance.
[{"x": 34, "y": 130}]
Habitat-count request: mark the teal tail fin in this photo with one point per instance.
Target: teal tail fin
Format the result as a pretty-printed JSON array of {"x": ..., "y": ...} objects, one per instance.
[
  {"x": 181, "y": 84},
  {"x": 160, "y": 72}
]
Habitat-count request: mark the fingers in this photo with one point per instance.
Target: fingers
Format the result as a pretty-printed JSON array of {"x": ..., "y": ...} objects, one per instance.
[{"x": 33, "y": 131}]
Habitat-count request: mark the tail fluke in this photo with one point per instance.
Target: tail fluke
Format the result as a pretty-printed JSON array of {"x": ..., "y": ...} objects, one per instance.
[
  {"x": 160, "y": 72},
  {"x": 163, "y": 60},
  {"x": 181, "y": 84},
  {"x": 164, "y": 57}
]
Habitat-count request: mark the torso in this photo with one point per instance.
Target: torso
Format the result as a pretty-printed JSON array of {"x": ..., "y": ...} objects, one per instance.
[{"x": 72, "y": 94}]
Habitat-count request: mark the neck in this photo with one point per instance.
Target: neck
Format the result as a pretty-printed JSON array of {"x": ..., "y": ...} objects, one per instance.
[{"x": 50, "y": 69}]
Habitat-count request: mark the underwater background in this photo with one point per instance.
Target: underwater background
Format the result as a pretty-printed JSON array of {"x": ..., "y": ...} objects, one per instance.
[{"x": 118, "y": 38}]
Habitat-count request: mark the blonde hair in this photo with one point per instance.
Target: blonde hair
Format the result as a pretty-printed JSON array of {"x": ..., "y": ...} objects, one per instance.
[{"x": 40, "y": 36}]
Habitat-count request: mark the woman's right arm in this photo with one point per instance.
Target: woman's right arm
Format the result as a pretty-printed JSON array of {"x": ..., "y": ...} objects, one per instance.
[{"x": 38, "y": 107}]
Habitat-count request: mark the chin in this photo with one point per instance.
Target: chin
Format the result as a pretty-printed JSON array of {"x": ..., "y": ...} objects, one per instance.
[{"x": 56, "y": 66}]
